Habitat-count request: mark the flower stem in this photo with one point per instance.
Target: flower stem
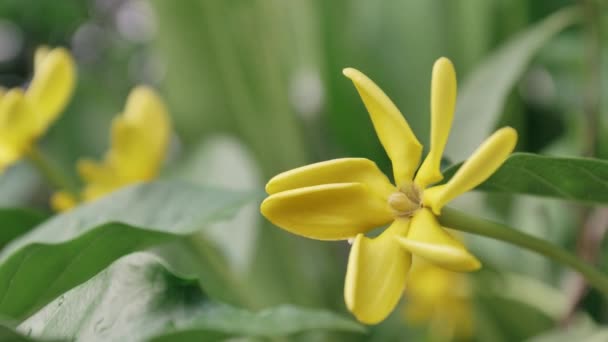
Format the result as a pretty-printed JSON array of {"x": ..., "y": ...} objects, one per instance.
[
  {"x": 56, "y": 178},
  {"x": 460, "y": 221}
]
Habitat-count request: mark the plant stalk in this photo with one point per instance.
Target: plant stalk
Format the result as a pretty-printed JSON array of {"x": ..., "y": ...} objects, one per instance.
[
  {"x": 460, "y": 221},
  {"x": 56, "y": 178}
]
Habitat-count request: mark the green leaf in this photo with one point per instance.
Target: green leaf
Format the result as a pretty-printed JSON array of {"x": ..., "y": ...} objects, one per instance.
[
  {"x": 138, "y": 298},
  {"x": 278, "y": 321},
  {"x": 9, "y": 335},
  {"x": 485, "y": 90},
  {"x": 71, "y": 248},
  {"x": 581, "y": 328},
  {"x": 516, "y": 320},
  {"x": 17, "y": 184},
  {"x": 576, "y": 179},
  {"x": 17, "y": 221}
]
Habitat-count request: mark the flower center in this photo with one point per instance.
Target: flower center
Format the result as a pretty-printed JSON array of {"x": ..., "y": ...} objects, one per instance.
[{"x": 406, "y": 201}]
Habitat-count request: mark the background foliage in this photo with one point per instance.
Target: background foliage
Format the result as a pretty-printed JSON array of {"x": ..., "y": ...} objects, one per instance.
[{"x": 255, "y": 88}]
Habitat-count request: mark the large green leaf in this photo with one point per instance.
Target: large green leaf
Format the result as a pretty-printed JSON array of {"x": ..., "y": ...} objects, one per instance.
[
  {"x": 138, "y": 298},
  {"x": 484, "y": 92},
  {"x": 70, "y": 248},
  {"x": 17, "y": 221},
  {"x": 9, "y": 335},
  {"x": 576, "y": 179}
]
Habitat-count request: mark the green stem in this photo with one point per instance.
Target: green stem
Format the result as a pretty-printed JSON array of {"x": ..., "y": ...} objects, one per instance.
[
  {"x": 470, "y": 224},
  {"x": 212, "y": 261},
  {"x": 56, "y": 178}
]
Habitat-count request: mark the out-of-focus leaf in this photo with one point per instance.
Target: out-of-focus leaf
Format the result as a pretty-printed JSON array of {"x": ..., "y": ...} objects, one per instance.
[
  {"x": 581, "y": 329},
  {"x": 515, "y": 319},
  {"x": 277, "y": 321},
  {"x": 17, "y": 184},
  {"x": 9, "y": 335},
  {"x": 576, "y": 179},
  {"x": 138, "y": 298},
  {"x": 70, "y": 248},
  {"x": 17, "y": 221},
  {"x": 225, "y": 162},
  {"x": 484, "y": 92}
]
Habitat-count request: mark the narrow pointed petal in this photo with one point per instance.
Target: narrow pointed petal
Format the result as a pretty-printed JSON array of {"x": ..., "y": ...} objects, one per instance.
[
  {"x": 482, "y": 164},
  {"x": 39, "y": 56},
  {"x": 392, "y": 129},
  {"x": 443, "y": 103},
  {"x": 376, "y": 274},
  {"x": 7, "y": 158},
  {"x": 327, "y": 212},
  {"x": 344, "y": 170},
  {"x": 428, "y": 240},
  {"x": 16, "y": 127},
  {"x": 52, "y": 85}
]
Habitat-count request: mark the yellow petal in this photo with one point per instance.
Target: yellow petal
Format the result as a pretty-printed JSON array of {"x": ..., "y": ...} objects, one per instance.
[
  {"x": 39, "y": 56},
  {"x": 140, "y": 137},
  {"x": 8, "y": 156},
  {"x": 62, "y": 201},
  {"x": 376, "y": 274},
  {"x": 443, "y": 102},
  {"x": 93, "y": 172},
  {"x": 428, "y": 288},
  {"x": 344, "y": 170},
  {"x": 394, "y": 133},
  {"x": 51, "y": 86},
  {"x": 428, "y": 240},
  {"x": 327, "y": 212},
  {"x": 483, "y": 163},
  {"x": 139, "y": 142},
  {"x": 16, "y": 129},
  {"x": 100, "y": 179}
]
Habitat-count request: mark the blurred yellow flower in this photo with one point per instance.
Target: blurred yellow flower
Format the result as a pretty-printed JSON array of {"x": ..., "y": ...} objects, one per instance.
[
  {"x": 139, "y": 140},
  {"x": 345, "y": 198},
  {"x": 25, "y": 115},
  {"x": 440, "y": 298}
]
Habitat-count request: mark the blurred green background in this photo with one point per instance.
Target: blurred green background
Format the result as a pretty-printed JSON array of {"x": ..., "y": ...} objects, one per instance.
[{"x": 255, "y": 87}]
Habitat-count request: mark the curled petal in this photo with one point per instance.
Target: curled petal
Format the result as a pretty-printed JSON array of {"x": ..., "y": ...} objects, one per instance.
[
  {"x": 482, "y": 164},
  {"x": 428, "y": 240},
  {"x": 344, "y": 170},
  {"x": 392, "y": 129},
  {"x": 376, "y": 274},
  {"x": 327, "y": 212},
  {"x": 443, "y": 103},
  {"x": 52, "y": 85}
]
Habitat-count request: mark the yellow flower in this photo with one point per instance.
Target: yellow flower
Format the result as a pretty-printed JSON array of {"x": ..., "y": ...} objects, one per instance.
[
  {"x": 139, "y": 141},
  {"x": 26, "y": 115},
  {"x": 345, "y": 198},
  {"x": 441, "y": 298}
]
